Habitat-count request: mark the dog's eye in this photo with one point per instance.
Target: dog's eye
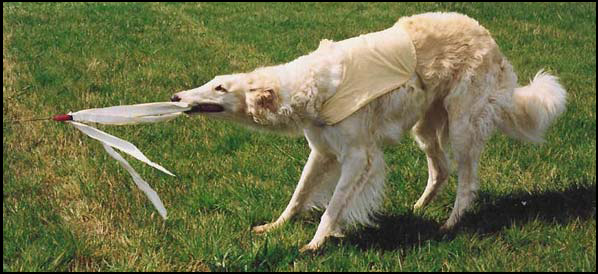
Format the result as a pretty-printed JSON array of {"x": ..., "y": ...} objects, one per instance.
[{"x": 220, "y": 88}]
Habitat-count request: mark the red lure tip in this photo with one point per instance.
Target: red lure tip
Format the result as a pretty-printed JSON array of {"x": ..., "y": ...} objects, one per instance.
[{"x": 62, "y": 117}]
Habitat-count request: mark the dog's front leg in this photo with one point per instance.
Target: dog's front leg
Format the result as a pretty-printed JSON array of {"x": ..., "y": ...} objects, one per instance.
[
  {"x": 314, "y": 172},
  {"x": 356, "y": 165}
]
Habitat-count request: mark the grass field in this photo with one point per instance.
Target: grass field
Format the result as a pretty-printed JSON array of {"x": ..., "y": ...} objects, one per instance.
[{"x": 68, "y": 206}]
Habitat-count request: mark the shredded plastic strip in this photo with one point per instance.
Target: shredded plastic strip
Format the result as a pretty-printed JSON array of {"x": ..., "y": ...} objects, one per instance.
[{"x": 125, "y": 115}]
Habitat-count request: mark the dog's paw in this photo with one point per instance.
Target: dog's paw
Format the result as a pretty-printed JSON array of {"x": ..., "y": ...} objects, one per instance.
[
  {"x": 261, "y": 229},
  {"x": 338, "y": 234},
  {"x": 420, "y": 204},
  {"x": 309, "y": 248},
  {"x": 447, "y": 228},
  {"x": 313, "y": 245}
]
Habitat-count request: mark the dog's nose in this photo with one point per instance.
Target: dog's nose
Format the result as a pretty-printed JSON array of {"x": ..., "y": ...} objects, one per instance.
[{"x": 175, "y": 98}]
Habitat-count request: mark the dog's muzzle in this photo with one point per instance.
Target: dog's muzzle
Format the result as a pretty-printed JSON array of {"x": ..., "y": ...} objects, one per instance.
[{"x": 205, "y": 107}]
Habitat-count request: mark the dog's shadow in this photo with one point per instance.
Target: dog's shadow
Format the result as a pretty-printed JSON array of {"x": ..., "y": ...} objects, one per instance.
[{"x": 412, "y": 230}]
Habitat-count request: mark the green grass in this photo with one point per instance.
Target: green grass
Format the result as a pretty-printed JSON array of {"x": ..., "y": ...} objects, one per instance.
[{"x": 68, "y": 206}]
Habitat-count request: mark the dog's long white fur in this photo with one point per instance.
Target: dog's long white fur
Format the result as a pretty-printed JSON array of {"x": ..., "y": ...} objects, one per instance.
[{"x": 469, "y": 90}]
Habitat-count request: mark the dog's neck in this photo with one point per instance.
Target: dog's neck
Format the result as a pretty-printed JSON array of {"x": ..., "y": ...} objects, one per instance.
[{"x": 306, "y": 83}]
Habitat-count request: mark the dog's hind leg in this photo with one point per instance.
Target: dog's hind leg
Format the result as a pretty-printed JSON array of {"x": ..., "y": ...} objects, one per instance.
[
  {"x": 471, "y": 122},
  {"x": 429, "y": 133},
  {"x": 319, "y": 169},
  {"x": 467, "y": 152}
]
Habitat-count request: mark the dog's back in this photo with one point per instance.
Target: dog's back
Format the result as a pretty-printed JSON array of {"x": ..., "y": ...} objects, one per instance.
[{"x": 449, "y": 45}]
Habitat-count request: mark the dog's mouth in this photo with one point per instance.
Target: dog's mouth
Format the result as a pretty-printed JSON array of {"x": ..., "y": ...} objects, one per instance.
[{"x": 206, "y": 107}]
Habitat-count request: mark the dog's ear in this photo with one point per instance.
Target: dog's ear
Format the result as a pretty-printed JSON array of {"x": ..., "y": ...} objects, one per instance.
[
  {"x": 263, "y": 91},
  {"x": 263, "y": 98},
  {"x": 266, "y": 99}
]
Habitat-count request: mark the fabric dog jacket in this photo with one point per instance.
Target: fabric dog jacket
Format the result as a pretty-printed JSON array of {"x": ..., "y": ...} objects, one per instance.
[{"x": 373, "y": 65}]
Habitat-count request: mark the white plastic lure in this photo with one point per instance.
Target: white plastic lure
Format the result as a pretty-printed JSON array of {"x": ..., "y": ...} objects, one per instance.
[{"x": 124, "y": 115}]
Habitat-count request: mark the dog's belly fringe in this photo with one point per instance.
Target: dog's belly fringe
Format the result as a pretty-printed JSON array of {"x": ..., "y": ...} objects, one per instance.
[
  {"x": 369, "y": 193},
  {"x": 366, "y": 200}
]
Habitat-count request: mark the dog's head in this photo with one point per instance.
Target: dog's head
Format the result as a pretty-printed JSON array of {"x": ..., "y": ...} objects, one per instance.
[{"x": 245, "y": 97}]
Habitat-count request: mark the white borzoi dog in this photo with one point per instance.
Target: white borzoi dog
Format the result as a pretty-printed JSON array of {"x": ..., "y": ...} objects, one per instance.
[{"x": 466, "y": 89}]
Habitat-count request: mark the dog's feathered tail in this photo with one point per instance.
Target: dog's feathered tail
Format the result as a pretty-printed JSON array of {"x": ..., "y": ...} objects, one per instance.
[{"x": 533, "y": 108}]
